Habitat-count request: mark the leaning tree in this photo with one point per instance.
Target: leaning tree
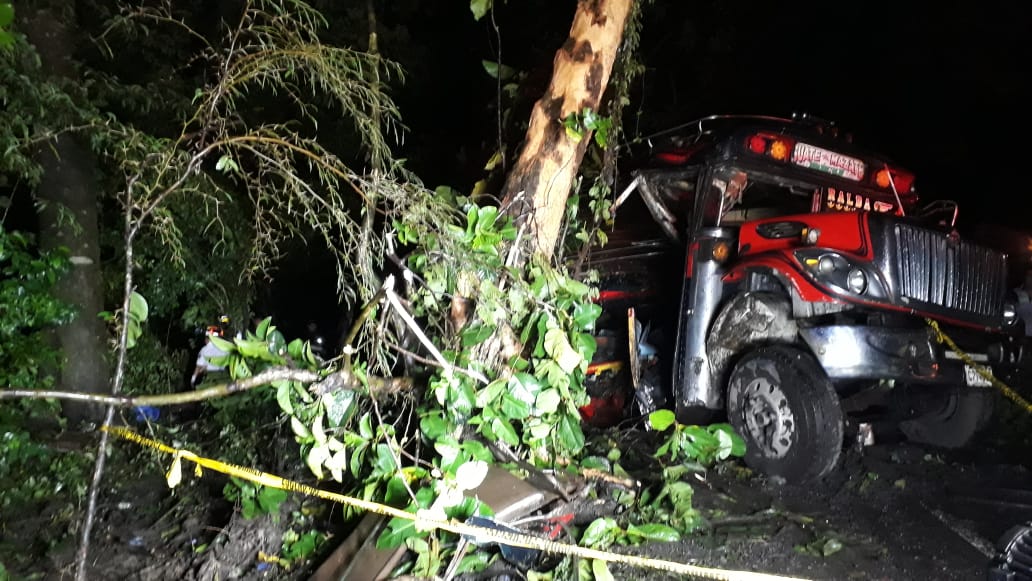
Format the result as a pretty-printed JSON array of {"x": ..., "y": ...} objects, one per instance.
[{"x": 501, "y": 328}]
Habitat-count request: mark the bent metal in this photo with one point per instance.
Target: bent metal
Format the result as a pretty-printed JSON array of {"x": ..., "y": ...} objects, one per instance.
[{"x": 804, "y": 286}]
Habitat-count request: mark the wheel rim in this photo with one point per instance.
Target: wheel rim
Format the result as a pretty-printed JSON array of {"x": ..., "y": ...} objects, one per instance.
[{"x": 768, "y": 417}]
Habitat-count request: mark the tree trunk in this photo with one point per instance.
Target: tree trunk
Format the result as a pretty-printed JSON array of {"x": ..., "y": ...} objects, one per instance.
[
  {"x": 68, "y": 218},
  {"x": 539, "y": 184}
]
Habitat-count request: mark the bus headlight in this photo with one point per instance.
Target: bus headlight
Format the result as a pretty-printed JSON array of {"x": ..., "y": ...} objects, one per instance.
[
  {"x": 1010, "y": 313},
  {"x": 856, "y": 281}
]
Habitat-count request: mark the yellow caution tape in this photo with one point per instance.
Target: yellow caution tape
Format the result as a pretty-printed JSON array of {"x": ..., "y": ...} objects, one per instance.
[
  {"x": 1014, "y": 396},
  {"x": 482, "y": 534}
]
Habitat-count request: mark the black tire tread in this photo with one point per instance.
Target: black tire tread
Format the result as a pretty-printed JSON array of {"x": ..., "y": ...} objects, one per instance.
[{"x": 819, "y": 426}]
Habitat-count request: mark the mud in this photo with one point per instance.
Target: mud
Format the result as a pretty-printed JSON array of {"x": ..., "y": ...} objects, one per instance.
[{"x": 894, "y": 512}]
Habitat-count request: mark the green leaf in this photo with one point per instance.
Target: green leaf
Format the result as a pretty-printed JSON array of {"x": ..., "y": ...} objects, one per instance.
[
  {"x": 396, "y": 491},
  {"x": 474, "y": 563},
  {"x": 222, "y": 344},
  {"x": 724, "y": 444},
  {"x": 269, "y": 499},
  {"x": 277, "y": 344},
  {"x": 253, "y": 349},
  {"x": 226, "y": 164},
  {"x": 590, "y": 118},
  {"x": 547, "y": 401},
  {"x": 6, "y": 13},
  {"x": 585, "y": 315},
  {"x": 601, "y": 532},
  {"x": 558, "y": 347},
  {"x": 655, "y": 532},
  {"x": 476, "y": 334},
  {"x": 238, "y": 368},
  {"x": 491, "y": 393},
  {"x": 315, "y": 459},
  {"x": 296, "y": 349},
  {"x": 486, "y": 218},
  {"x": 448, "y": 449},
  {"x": 585, "y": 344},
  {"x": 831, "y": 547},
  {"x": 576, "y": 288},
  {"x": 133, "y": 332},
  {"x": 680, "y": 494},
  {"x": 357, "y": 460},
  {"x": 513, "y": 408},
  {"x": 477, "y": 450},
  {"x": 138, "y": 309},
  {"x": 249, "y": 509},
  {"x": 318, "y": 432},
  {"x": 726, "y": 433},
  {"x": 461, "y": 399},
  {"x": 337, "y": 462},
  {"x": 480, "y": 7},
  {"x": 433, "y": 425},
  {"x": 539, "y": 429},
  {"x": 365, "y": 426},
  {"x": 262, "y": 330},
  {"x": 338, "y": 406},
  {"x": 470, "y": 474},
  {"x": 661, "y": 419},
  {"x": 384, "y": 462},
  {"x": 503, "y": 72},
  {"x": 524, "y": 387},
  {"x": 300, "y": 429},
  {"x": 570, "y": 435},
  {"x": 600, "y": 569},
  {"x": 283, "y": 390},
  {"x": 505, "y": 432}
]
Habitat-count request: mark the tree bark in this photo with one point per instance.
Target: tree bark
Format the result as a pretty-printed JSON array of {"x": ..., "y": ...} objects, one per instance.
[
  {"x": 68, "y": 217},
  {"x": 539, "y": 184}
]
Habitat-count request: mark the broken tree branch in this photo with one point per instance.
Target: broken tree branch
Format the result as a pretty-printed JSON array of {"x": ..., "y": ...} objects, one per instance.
[
  {"x": 336, "y": 381},
  {"x": 392, "y": 297}
]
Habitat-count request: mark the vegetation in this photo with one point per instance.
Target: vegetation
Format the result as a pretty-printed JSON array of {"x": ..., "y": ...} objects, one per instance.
[{"x": 493, "y": 341}]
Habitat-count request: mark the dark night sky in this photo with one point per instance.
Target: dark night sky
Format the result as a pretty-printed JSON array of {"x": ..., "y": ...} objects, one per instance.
[{"x": 941, "y": 89}]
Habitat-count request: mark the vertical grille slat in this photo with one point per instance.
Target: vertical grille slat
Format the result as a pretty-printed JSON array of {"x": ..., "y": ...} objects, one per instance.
[{"x": 956, "y": 275}]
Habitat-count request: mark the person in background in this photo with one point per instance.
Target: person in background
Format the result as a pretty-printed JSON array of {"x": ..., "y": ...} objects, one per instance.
[{"x": 204, "y": 366}]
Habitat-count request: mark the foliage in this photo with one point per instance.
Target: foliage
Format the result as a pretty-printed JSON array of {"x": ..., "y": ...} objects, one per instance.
[
  {"x": 6, "y": 39},
  {"x": 589, "y": 216},
  {"x": 154, "y": 368},
  {"x": 23, "y": 484},
  {"x": 34, "y": 475},
  {"x": 255, "y": 499},
  {"x": 35, "y": 110},
  {"x": 578, "y": 124},
  {"x": 298, "y": 547},
  {"x": 530, "y": 407},
  {"x": 28, "y": 309},
  {"x": 224, "y": 180},
  {"x": 702, "y": 444},
  {"x": 533, "y": 403}
]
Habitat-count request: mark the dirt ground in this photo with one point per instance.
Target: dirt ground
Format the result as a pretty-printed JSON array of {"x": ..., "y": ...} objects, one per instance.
[{"x": 893, "y": 512}]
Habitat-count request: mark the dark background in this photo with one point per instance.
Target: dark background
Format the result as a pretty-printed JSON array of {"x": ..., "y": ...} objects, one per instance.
[{"x": 941, "y": 88}]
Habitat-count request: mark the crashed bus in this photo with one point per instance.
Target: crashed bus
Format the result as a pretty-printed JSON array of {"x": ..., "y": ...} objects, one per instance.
[{"x": 811, "y": 280}]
